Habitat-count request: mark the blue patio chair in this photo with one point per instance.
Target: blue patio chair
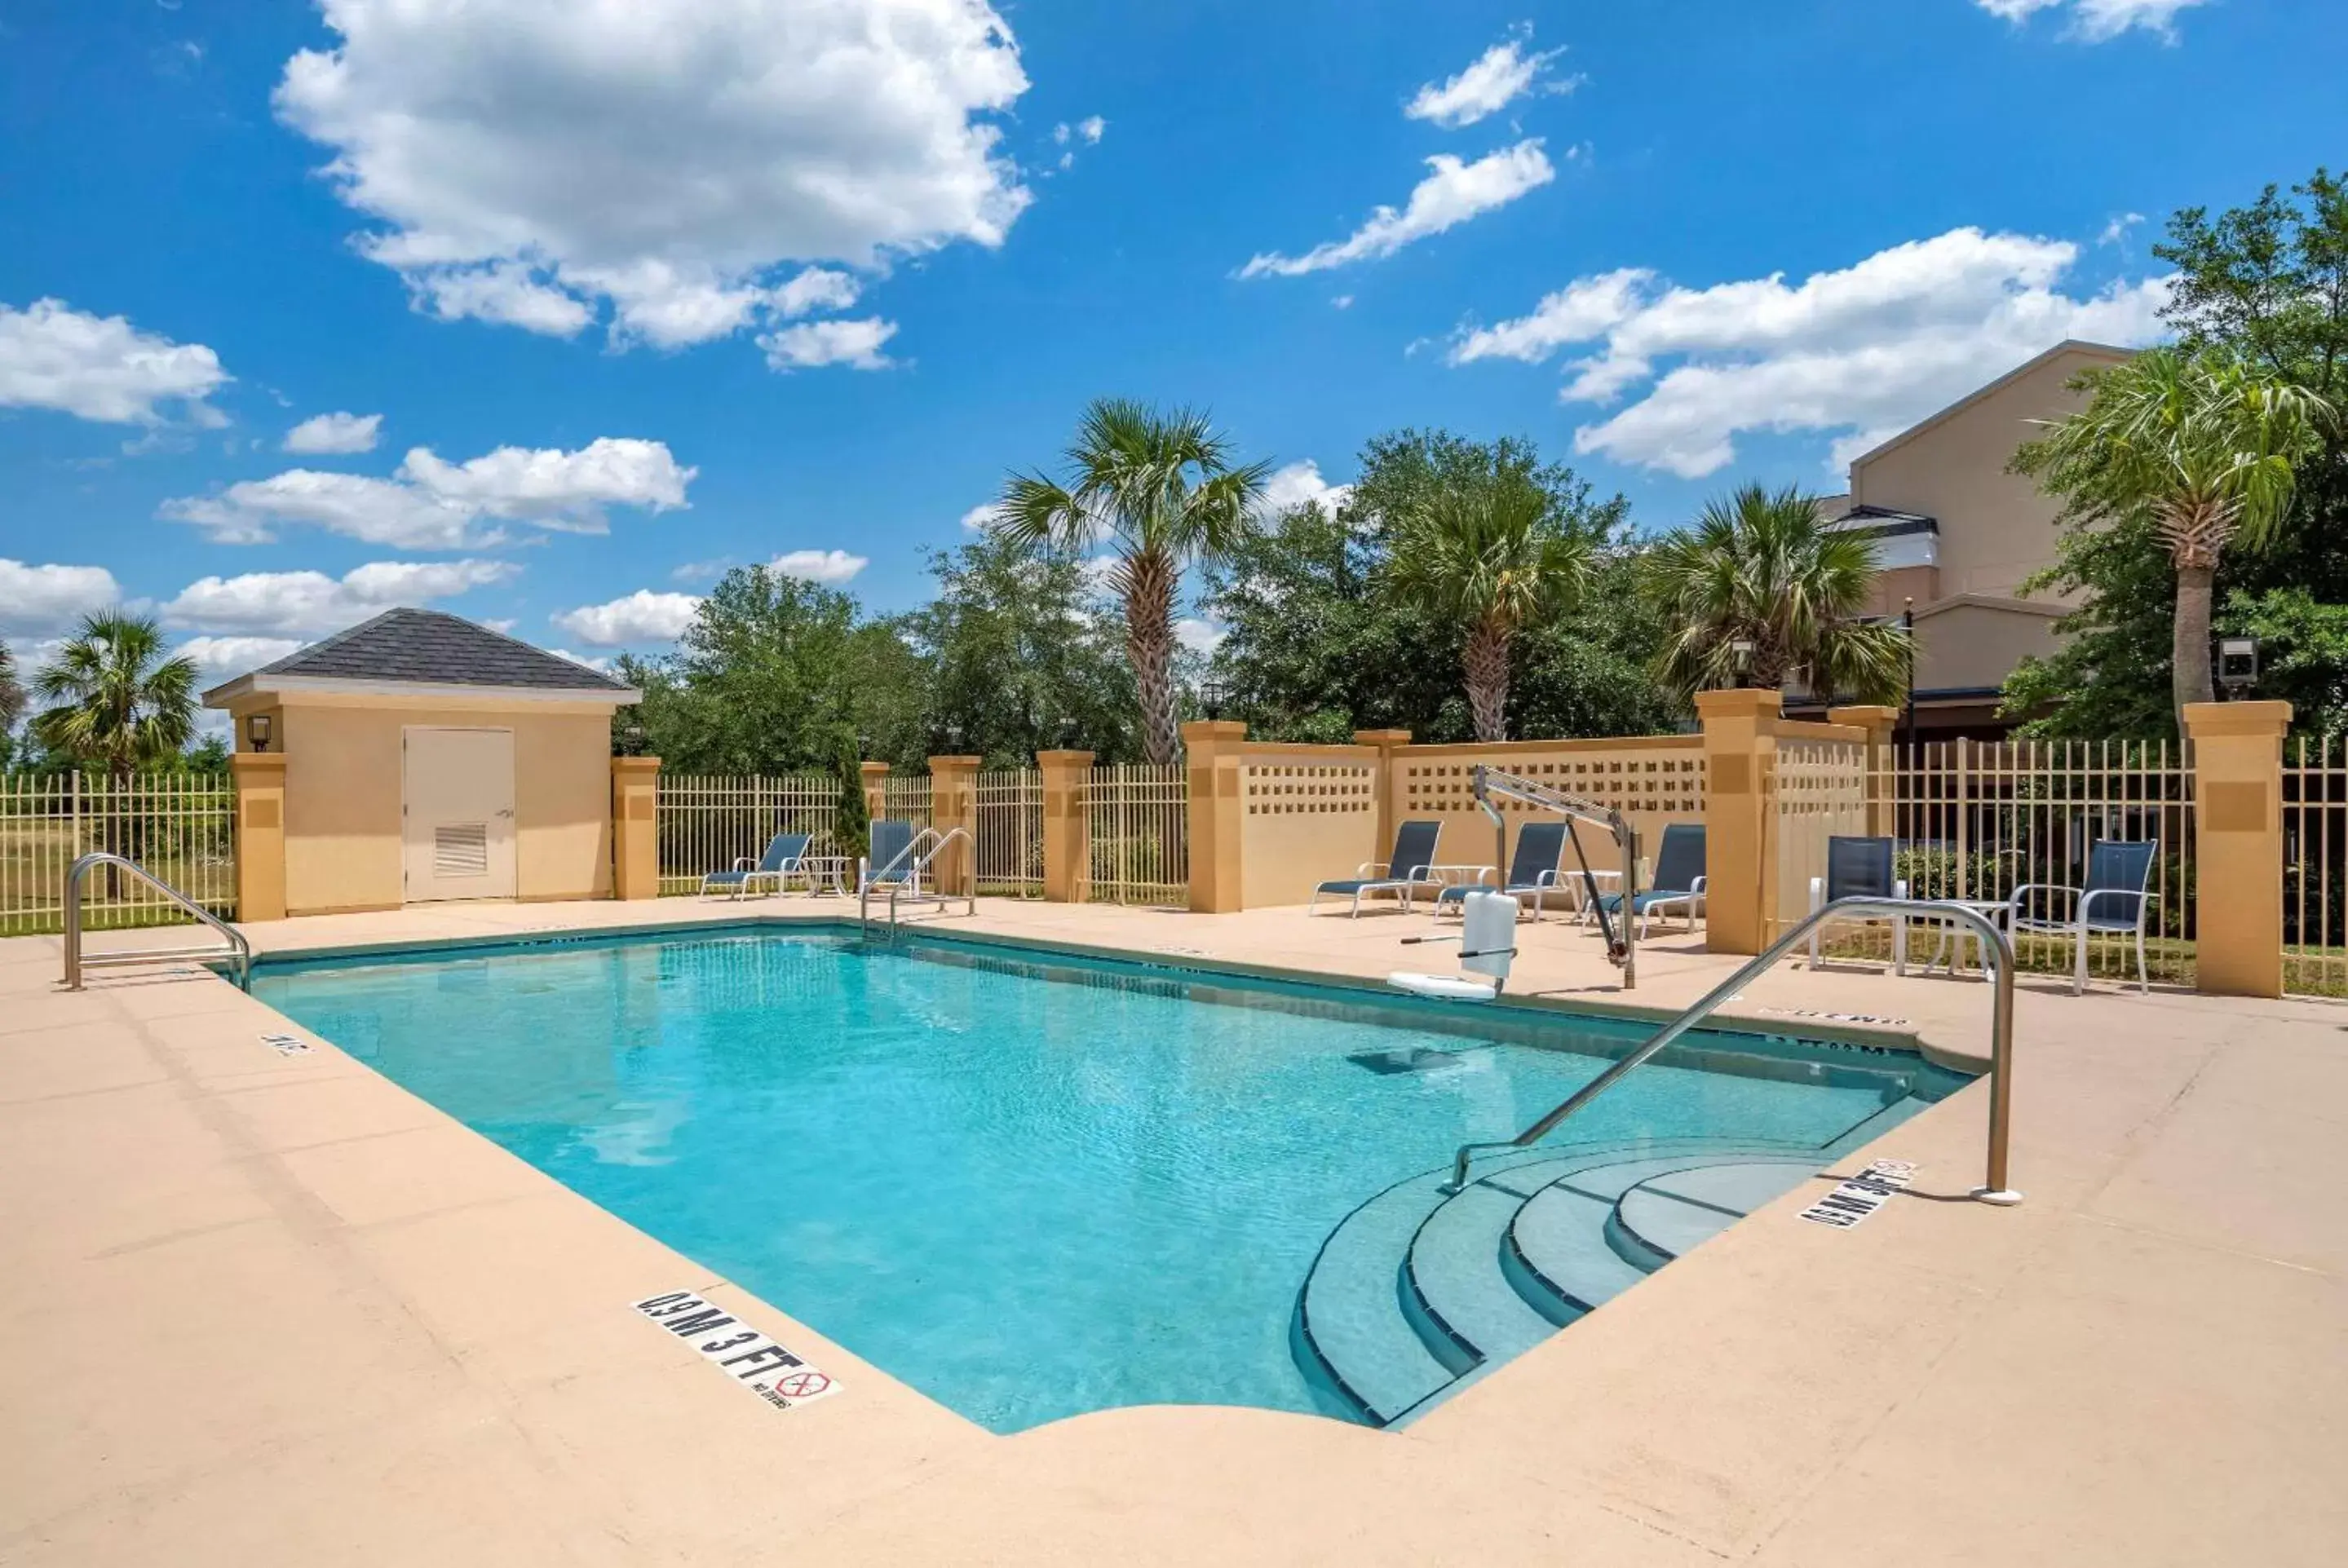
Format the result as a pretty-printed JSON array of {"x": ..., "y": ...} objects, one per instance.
[
  {"x": 1411, "y": 866},
  {"x": 1679, "y": 878},
  {"x": 785, "y": 857},
  {"x": 891, "y": 862},
  {"x": 2114, "y": 900},
  {"x": 1860, "y": 868},
  {"x": 1532, "y": 870}
]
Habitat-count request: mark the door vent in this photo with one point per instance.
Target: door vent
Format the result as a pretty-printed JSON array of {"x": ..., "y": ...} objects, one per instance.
[{"x": 462, "y": 849}]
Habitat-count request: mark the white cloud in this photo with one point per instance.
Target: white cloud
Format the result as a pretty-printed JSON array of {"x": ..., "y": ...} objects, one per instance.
[
  {"x": 1450, "y": 196},
  {"x": 36, "y": 601},
  {"x": 815, "y": 289},
  {"x": 601, "y": 666},
  {"x": 220, "y": 659},
  {"x": 102, "y": 368},
  {"x": 813, "y": 343},
  {"x": 1858, "y": 354},
  {"x": 1497, "y": 79},
  {"x": 335, "y": 433},
  {"x": 535, "y": 163},
  {"x": 2099, "y": 21},
  {"x": 432, "y": 504},
  {"x": 310, "y": 603},
  {"x": 982, "y": 516},
  {"x": 642, "y": 616},
  {"x": 1199, "y": 636},
  {"x": 1343, "y": 302},
  {"x": 2116, "y": 232},
  {"x": 1091, "y": 128},
  {"x": 829, "y": 566},
  {"x": 1299, "y": 484}
]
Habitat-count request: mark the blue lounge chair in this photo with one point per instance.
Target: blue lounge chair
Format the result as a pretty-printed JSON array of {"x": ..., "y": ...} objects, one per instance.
[
  {"x": 1411, "y": 866},
  {"x": 1532, "y": 870},
  {"x": 785, "y": 857},
  {"x": 1860, "y": 868},
  {"x": 890, "y": 863},
  {"x": 1679, "y": 878},
  {"x": 2114, "y": 900}
]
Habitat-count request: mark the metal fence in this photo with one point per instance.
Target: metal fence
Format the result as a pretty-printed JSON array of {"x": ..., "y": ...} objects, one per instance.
[
  {"x": 1009, "y": 832},
  {"x": 1137, "y": 824},
  {"x": 180, "y": 826},
  {"x": 907, "y": 799},
  {"x": 706, "y": 823},
  {"x": 1977, "y": 821},
  {"x": 1816, "y": 790},
  {"x": 2315, "y": 866}
]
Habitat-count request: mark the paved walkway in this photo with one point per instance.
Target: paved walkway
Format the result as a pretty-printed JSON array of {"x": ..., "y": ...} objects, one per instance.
[{"x": 265, "y": 1309}]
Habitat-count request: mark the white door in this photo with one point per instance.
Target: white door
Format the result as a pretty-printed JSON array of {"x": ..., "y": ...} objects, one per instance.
[{"x": 457, "y": 794}]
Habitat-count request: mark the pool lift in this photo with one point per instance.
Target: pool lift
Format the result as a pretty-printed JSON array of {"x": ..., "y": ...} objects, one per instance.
[{"x": 1486, "y": 944}]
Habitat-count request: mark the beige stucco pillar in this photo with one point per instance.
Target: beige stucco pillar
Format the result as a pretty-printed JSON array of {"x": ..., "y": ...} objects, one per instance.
[
  {"x": 1068, "y": 844},
  {"x": 954, "y": 803},
  {"x": 876, "y": 789},
  {"x": 635, "y": 827},
  {"x": 1881, "y": 723},
  {"x": 1740, "y": 745},
  {"x": 1390, "y": 742},
  {"x": 2238, "y": 822},
  {"x": 1212, "y": 748},
  {"x": 260, "y": 835}
]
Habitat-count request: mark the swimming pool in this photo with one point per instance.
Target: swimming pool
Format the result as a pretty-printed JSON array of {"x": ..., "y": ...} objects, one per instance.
[{"x": 1027, "y": 1184}]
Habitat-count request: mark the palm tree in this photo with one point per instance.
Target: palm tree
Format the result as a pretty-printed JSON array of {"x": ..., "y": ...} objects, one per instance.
[
  {"x": 1759, "y": 592},
  {"x": 1160, "y": 488},
  {"x": 11, "y": 697},
  {"x": 114, "y": 701},
  {"x": 1492, "y": 558},
  {"x": 2200, "y": 444}
]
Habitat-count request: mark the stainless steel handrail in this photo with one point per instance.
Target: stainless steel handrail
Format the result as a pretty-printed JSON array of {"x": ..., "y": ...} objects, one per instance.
[
  {"x": 238, "y": 948},
  {"x": 937, "y": 843},
  {"x": 2001, "y": 1053}
]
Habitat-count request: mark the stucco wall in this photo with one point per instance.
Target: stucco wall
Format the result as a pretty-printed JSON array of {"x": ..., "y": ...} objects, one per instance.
[
  {"x": 1309, "y": 814},
  {"x": 1996, "y": 527},
  {"x": 342, "y": 783},
  {"x": 1965, "y": 647}
]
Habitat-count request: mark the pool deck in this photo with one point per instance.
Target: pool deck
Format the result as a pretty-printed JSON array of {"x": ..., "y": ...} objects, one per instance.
[{"x": 273, "y": 1310}]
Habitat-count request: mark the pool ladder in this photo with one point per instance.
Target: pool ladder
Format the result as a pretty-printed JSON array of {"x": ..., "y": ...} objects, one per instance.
[
  {"x": 1994, "y": 942},
  {"x": 238, "y": 951},
  {"x": 904, "y": 874}
]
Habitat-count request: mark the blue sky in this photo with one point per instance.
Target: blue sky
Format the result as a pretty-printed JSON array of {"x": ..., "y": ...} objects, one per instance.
[{"x": 614, "y": 296}]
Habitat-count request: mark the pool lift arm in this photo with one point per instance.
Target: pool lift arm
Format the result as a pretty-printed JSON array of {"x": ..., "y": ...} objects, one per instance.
[{"x": 1620, "y": 946}]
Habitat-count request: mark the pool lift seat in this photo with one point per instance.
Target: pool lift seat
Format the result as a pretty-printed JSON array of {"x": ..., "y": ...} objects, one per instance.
[{"x": 1621, "y": 946}]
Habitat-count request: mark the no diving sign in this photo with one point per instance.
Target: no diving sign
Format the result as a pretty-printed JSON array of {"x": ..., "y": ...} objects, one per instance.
[
  {"x": 766, "y": 1369},
  {"x": 1855, "y": 1199}
]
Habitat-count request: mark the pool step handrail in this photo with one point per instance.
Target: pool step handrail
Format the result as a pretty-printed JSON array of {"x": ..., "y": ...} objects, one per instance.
[
  {"x": 919, "y": 859},
  {"x": 238, "y": 951},
  {"x": 1994, "y": 942}
]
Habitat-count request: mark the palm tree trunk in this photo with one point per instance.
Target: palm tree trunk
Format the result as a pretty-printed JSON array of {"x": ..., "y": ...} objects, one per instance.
[
  {"x": 1486, "y": 666},
  {"x": 1150, "y": 579},
  {"x": 2189, "y": 654}
]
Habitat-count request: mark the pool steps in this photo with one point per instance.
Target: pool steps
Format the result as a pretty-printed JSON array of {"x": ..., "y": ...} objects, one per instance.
[{"x": 1421, "y": 1291}]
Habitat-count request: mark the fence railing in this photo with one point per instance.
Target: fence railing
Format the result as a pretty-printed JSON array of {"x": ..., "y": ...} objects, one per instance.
[
  {"x": 907, "y": 799},
  {"x": 2315, "y": 866},
  {"x": 1010, "y": 833},
  {"x": 707, "y": 822},
  {"x": 1976, "y": 821},
  {"x": 180, "y": 826},
  {"x": 1815, "y": 790},
  {"x": 1138, "y": 820}
]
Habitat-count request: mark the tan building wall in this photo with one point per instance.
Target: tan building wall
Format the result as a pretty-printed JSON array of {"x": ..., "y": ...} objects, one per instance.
[
  {"x": 1972, "y": 643},
  {"x": 1996, "y": 527},
  {"x": 342, "y": 784}
]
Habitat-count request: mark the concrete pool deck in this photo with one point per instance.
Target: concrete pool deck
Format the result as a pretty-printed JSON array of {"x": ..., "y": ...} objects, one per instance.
[{"x": 273, "y": 1310}]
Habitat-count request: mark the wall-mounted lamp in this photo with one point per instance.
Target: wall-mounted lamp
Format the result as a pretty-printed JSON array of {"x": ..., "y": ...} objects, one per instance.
[
  {"x": 256, "y": 731},
  {"x": 2237, "y": 665}
]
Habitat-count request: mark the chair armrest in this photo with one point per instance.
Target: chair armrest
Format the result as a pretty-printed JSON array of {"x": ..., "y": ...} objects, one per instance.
[
  {"x": 1369, "y": 868},
  {"x": 1475, "y": 873},
  {"x": 1695, "y": 888},
  {"x": 743, "y": 863},
  {"x": 2089, "y": 897}
]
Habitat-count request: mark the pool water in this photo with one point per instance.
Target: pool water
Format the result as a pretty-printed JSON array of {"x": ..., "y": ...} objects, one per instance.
[{"x": 1027, "y": 1186}]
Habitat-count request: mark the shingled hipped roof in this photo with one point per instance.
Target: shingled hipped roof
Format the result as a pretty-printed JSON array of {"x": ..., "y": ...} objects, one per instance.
[{"x": 429, "y": 648}]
